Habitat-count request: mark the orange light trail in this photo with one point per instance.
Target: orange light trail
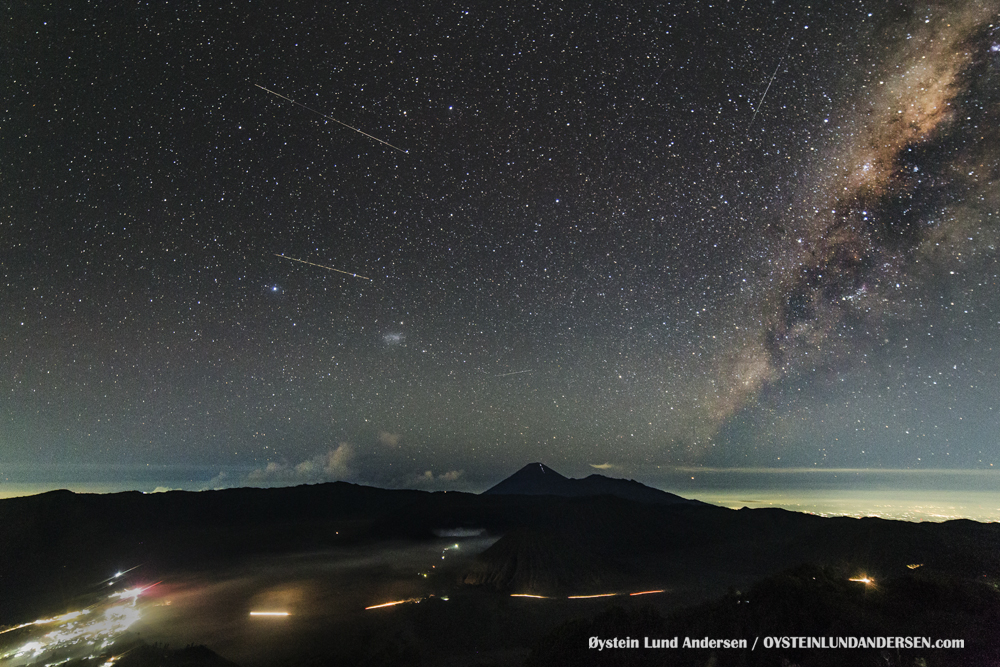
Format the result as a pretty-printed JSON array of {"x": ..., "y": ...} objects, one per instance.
[
  {"x": 392, "y": 604},
  {"x": 43, "y": 621},
  {"x": 586, "y": 597},
  {"x": 387, "y": 604},
  {"x": 269, "y": 613},
  {"x": 864, "y": 580}
]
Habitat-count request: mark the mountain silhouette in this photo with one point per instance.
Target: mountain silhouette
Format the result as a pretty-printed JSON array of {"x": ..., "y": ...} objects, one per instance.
[
  {"x": 554, "y": 537},
  {"x": 537, "y": 479}
]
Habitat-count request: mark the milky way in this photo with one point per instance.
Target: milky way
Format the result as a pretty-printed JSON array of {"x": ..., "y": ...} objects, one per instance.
[
  {"x": 918, "y": 141},
  {"x": 654, "y": 235}
]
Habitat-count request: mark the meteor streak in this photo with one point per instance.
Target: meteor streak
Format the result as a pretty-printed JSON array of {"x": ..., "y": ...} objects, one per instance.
[
  {"x": 767, "y": 89},
  {"x": 329, "y": 118},
  {"x": 328, "y": 268}
]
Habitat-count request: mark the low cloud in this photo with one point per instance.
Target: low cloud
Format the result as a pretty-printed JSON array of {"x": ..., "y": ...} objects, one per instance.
[
  {"x": 327, "y": 467},
  {"x": 429, "y": 477},
  {"x": 220, "y": 481},
  {"x": 603, "y": 466}
]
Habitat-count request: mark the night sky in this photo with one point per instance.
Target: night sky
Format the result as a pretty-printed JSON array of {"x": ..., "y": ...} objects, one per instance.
[{"x": 731, "y": 235}]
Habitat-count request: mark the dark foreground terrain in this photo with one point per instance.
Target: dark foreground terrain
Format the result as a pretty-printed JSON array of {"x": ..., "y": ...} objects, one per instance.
[{"x": 333, "y": 558}]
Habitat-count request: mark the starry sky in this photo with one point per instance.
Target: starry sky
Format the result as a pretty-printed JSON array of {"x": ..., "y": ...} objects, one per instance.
[{"x": 678, "y": 234}]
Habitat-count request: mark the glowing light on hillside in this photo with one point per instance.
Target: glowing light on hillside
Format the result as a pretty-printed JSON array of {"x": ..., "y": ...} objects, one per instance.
[
  {"x": 584, "y": 597},
  {"x": 270, "y": 613},
  {"x": 864, "y": 580},
  {"x": 528, "y": 595},
  {"x": 131, "y": 593}
]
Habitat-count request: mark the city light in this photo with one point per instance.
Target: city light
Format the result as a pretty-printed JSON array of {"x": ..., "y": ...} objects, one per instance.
[{"x": 94, "y": 628}]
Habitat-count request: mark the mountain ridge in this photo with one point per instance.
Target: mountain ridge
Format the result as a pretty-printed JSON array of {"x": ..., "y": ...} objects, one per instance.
[
  {"x": 547, "y": 544},
  {"x": 537, "y": 479}
]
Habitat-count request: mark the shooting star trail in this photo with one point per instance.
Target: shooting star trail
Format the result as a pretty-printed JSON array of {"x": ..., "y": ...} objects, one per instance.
[
  {"x": 318, "y": 113},
  {"x": 328, "y": 268},
  {"x": 503, "y": 375},
  {"x": 766, "y": 89}
]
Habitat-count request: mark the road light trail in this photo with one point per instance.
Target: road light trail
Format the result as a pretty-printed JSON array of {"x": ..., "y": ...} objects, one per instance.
[{"x": 393, "y": 603}]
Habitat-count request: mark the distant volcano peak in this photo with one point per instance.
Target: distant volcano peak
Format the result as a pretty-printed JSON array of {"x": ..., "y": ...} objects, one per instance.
[
  {"x": 537, "y": 479},
  {"x": 534, "y": 479},
  {"x": 537, "y": 469}
]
